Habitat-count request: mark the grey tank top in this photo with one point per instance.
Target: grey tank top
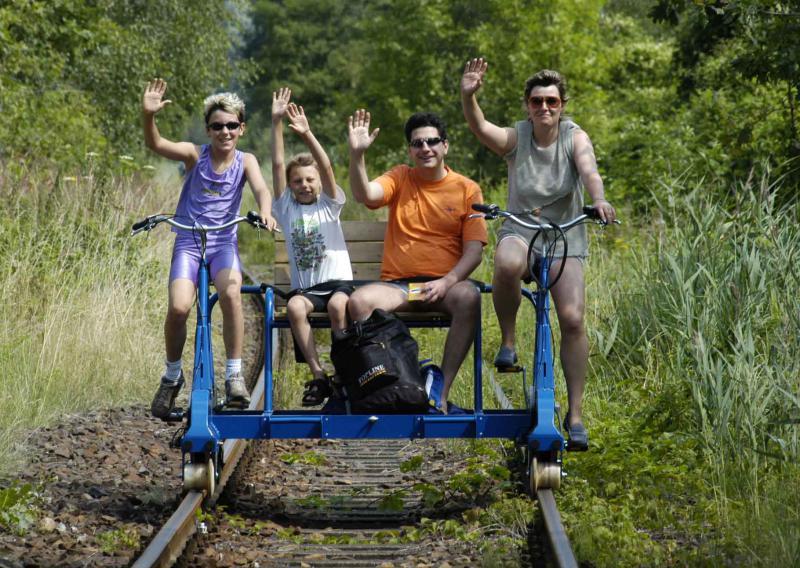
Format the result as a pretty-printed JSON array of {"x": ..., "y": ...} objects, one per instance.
[{"x": 546, "y": 179}]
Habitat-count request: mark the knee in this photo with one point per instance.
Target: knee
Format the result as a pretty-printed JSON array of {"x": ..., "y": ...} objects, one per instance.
[
  {"x": 358, "y": 306},
  {"x": 295, "y": 308},
  {"x": 337, "y": 306},
  {"x": 230, "y": 296},
  {"x": 509, "y": 269},
  {"x": 571, "y": 321},
  {"x": 464, "y": 299},
  {"x": 178, "y": 314}
]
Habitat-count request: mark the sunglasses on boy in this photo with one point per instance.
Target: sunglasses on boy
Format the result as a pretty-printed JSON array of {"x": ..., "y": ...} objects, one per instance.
[
  {"x": 552, "y": 102},
  {"x": 431, "y": 142},
  {"x": 217, "y": 126}
]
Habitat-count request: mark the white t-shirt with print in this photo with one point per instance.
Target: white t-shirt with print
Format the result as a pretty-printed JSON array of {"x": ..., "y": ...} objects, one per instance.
[{"x": 314, "y": 239}]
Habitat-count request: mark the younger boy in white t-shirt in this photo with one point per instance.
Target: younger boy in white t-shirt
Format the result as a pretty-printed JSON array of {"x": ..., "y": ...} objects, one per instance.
[{"x": 309, "y": 216}]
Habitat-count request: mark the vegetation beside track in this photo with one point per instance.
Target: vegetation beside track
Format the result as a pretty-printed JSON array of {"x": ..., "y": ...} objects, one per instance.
[{"x": 692, "y": 316}]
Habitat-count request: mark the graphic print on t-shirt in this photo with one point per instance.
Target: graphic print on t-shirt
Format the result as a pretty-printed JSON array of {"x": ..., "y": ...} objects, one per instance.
[
  {"x": 215, "y": 189},
  {"x": 308, "y": 245}
]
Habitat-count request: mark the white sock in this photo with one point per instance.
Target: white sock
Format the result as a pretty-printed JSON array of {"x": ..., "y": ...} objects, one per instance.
[
  {"x": 232, "y": 367},
  {"x": 173, "y": 371}
]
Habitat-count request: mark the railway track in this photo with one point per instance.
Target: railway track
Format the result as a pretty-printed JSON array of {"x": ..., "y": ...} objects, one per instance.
[{"x": 323, "y": 503}]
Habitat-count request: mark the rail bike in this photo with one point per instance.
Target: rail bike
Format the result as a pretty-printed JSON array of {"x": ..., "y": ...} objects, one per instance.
[{"x": 535, "y": 428}]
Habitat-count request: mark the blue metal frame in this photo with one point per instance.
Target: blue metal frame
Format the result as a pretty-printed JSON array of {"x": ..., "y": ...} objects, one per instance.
[
  {"x": 202, "y": 436},
  {"x": 534, "y": 426}
]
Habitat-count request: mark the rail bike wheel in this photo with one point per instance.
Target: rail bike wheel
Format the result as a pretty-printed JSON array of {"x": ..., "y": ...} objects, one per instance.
[
  {"x": 200, "y": 476},
  {"x": 543, "y": 473}
]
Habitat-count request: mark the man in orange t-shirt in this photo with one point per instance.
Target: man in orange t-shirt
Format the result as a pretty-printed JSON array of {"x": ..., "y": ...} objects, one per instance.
[{"x": 429, "y": 234}]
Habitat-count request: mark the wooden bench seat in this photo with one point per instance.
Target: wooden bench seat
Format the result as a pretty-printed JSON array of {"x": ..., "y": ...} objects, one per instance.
[{"x": 365, "y": 245}]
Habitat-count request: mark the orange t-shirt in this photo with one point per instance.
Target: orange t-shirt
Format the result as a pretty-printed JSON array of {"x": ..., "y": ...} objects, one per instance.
[{"x": 428, "y": 222}]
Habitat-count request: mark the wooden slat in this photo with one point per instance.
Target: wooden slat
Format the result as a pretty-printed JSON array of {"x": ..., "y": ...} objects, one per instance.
[
  {"x": 359, "y": 251},
  {"x": 356, "y": 231}
]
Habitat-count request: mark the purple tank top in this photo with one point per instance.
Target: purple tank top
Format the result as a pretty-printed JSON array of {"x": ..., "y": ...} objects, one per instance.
[{"x": 210, "y": 198}]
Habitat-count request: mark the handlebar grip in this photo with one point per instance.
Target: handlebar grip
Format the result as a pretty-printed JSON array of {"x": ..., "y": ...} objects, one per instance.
[
  {"x": 138, "y": 226},
  {"x": 483, "y": 208},
  {"x": 254, "y": 218},
  {"x": 591, "y": 212}
]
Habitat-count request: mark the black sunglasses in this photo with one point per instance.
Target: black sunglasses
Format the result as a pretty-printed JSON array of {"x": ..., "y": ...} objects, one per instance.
[
  {"x": 229, "y": 125},
  {"x": 431, "y": 142}
]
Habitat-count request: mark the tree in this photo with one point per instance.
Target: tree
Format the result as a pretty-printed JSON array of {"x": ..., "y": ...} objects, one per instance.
[{"x": 73, "y": 71}]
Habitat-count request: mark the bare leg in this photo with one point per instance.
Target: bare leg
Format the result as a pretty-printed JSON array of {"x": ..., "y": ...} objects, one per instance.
[
  {"x": 379, "y": 295},
  {"x": 229, "y": 287},
  {"x": 181, "y": 298},
  {"x": 462, "y": 302},
  {"x": 510, "y": 264},
  {"x": 298, "y": 309},
  {"x": 337, "y": 311},
  {"x": 569, "y": 298}
]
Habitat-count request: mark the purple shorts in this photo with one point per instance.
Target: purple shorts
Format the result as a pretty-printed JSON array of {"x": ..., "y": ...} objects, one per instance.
[{"x": 219, "y": 255}]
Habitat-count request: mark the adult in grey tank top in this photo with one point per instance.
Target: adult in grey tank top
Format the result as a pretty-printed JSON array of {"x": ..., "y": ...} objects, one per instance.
[{"x": 550, "y": 161}]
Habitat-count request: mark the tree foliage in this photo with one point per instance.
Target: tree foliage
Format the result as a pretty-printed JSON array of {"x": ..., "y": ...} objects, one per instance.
[
  {"x": 663, "y": 88},
  {"x": 692, "y": 87},
  {"x": 73, "y": 71}
]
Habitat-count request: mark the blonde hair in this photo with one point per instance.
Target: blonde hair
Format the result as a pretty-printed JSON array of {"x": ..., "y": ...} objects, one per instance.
[{"x": 228, "y": 102}]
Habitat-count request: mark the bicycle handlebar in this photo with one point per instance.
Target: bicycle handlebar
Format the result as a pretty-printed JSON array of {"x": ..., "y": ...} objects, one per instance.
[
  {"x": 149, "y": 223},
  {"x": 493, "y": 211}
]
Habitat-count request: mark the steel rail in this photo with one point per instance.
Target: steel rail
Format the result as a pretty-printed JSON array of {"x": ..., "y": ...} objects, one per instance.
[
  {"x": 167, "y": 546},
  {"x": 559, "y": 542}
]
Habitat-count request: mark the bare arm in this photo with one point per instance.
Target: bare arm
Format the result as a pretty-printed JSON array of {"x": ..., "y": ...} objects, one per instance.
[
  {"x": 359, "y": 139},
  {"x": 280, "y": 104},
  {"x": 586, "y": 163},
  {"x": 299, "y": 123},
  {"x": 436, "y": 290},
  {"x": 498, "y": 139},
  {"x": 252, "y": 172},
  {"x": 152, "y": 103}
]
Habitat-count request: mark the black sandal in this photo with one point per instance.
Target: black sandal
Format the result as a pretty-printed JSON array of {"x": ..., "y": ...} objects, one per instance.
[{"x": 317, "y": 390}]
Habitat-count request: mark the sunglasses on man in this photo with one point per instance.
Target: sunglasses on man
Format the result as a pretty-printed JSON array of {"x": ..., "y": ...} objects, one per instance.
[{"x": 420, "y": 142}]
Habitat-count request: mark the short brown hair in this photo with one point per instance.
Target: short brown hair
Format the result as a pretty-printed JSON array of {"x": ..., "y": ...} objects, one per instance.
[
  {"x": 545, "y": 78},
  {"x": 299, "y": 161}
]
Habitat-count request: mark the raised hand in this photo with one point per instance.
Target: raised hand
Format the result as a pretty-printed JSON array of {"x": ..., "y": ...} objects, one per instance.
[
  {"x": 280, "y": 102},
  {"x": 297, "y": 119},
  {"x": 152, "y": 98},
  {"x": 359, "y": 137},
  {"x": 472, "y": 79}
]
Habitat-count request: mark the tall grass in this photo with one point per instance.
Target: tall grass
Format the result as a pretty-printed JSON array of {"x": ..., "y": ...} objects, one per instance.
[
  {"x": 702, "y": 325},
  {"x": 83, "y": 302}
]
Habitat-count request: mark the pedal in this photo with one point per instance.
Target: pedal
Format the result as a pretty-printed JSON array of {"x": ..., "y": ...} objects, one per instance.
[
  {"x": 576, "y": 448},
  {"x": 233, "y": 406},
  {"x": 175, "y": 415},
  {"x": 509, "y": 369}
]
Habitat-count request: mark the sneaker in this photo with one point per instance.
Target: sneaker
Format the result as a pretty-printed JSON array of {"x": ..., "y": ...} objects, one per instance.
[
  {"x": 164, "y": 400},
  {"x": 236, "y": 392},
  {"x": 506, "y": 358}
]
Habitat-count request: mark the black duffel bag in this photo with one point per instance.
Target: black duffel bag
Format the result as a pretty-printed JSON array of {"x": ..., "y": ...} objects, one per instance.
[{"x": 377, "y": 366}]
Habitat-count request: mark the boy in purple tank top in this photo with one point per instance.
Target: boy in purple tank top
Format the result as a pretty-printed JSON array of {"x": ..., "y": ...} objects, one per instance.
[{"x": 211, "y": 195}]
